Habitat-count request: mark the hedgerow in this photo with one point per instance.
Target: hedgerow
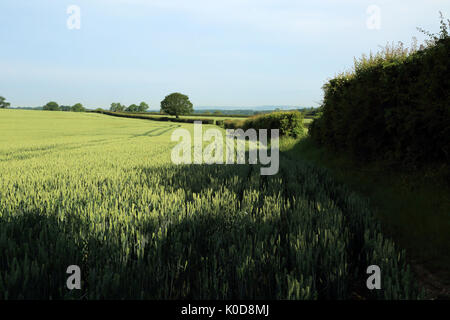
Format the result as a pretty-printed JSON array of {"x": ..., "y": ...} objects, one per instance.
[
  {"x": 394, "y": 106},
  {"x": 290, "y": 123},
  {"x": 149, "y": 117}
]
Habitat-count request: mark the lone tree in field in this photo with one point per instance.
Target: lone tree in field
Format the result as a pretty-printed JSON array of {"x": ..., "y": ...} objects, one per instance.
[
  {"x": 177, "y": 104},
  {"x": 51, "y": 106},
  {"x": 3, "y": 103}
]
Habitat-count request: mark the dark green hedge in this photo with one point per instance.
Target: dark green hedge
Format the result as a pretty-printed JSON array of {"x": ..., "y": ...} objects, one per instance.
[
  {"x": 395, "y": 109},
  {"x": 147, "y": 117},
  {"x": 290, "y": 123}
]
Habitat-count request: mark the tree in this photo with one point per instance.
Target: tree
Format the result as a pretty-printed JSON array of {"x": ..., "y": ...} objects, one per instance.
[
  {"x": 65, "y": 108},
  {"x": 176, "y": 104},
  {"x": 132, "y": 108},
  {"x": 143, "y": 107},
  {"x": 78, "y": 108},
  {"x": 51, "y": 106},
  {"x": 3, "y": 103},
  {"x": 116, "y": 107}
]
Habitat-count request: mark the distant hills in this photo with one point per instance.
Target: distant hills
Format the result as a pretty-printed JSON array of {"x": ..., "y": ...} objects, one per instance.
[{"x": 246, "y": 110}]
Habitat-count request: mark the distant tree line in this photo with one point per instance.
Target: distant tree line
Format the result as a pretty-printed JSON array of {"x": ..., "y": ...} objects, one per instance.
[
  {"x": 118, "y": 107},
  {"x": 175, "y": 104},
  {"x": 53, "y": 106}
]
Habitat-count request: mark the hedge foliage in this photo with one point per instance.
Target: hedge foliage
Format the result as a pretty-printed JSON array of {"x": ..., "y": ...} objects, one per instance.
[
  {"x": 290, "y": 123},
  {"x": 393, "y": 107},
  {"x": 220, "y": 123},
  {"x": 146, "y": 117}
]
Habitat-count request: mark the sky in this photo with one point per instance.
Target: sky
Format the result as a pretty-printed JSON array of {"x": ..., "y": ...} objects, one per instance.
[{"x": 236, "y": 53}]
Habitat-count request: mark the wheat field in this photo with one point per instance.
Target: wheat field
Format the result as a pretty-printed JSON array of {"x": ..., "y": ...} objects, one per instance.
[{"x": 101, "y": 192}]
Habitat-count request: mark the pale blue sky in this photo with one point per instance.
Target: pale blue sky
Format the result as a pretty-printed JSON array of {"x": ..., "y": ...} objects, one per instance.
[{"x": 220, "y": 53}]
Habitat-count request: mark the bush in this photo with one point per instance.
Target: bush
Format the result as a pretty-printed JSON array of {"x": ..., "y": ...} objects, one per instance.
[
  {"x": 289, "y": 123},
  {"x": 51, "y": 106},
  {"x": 233, "y": 124},
  {"x": 207, "y": 121}
]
